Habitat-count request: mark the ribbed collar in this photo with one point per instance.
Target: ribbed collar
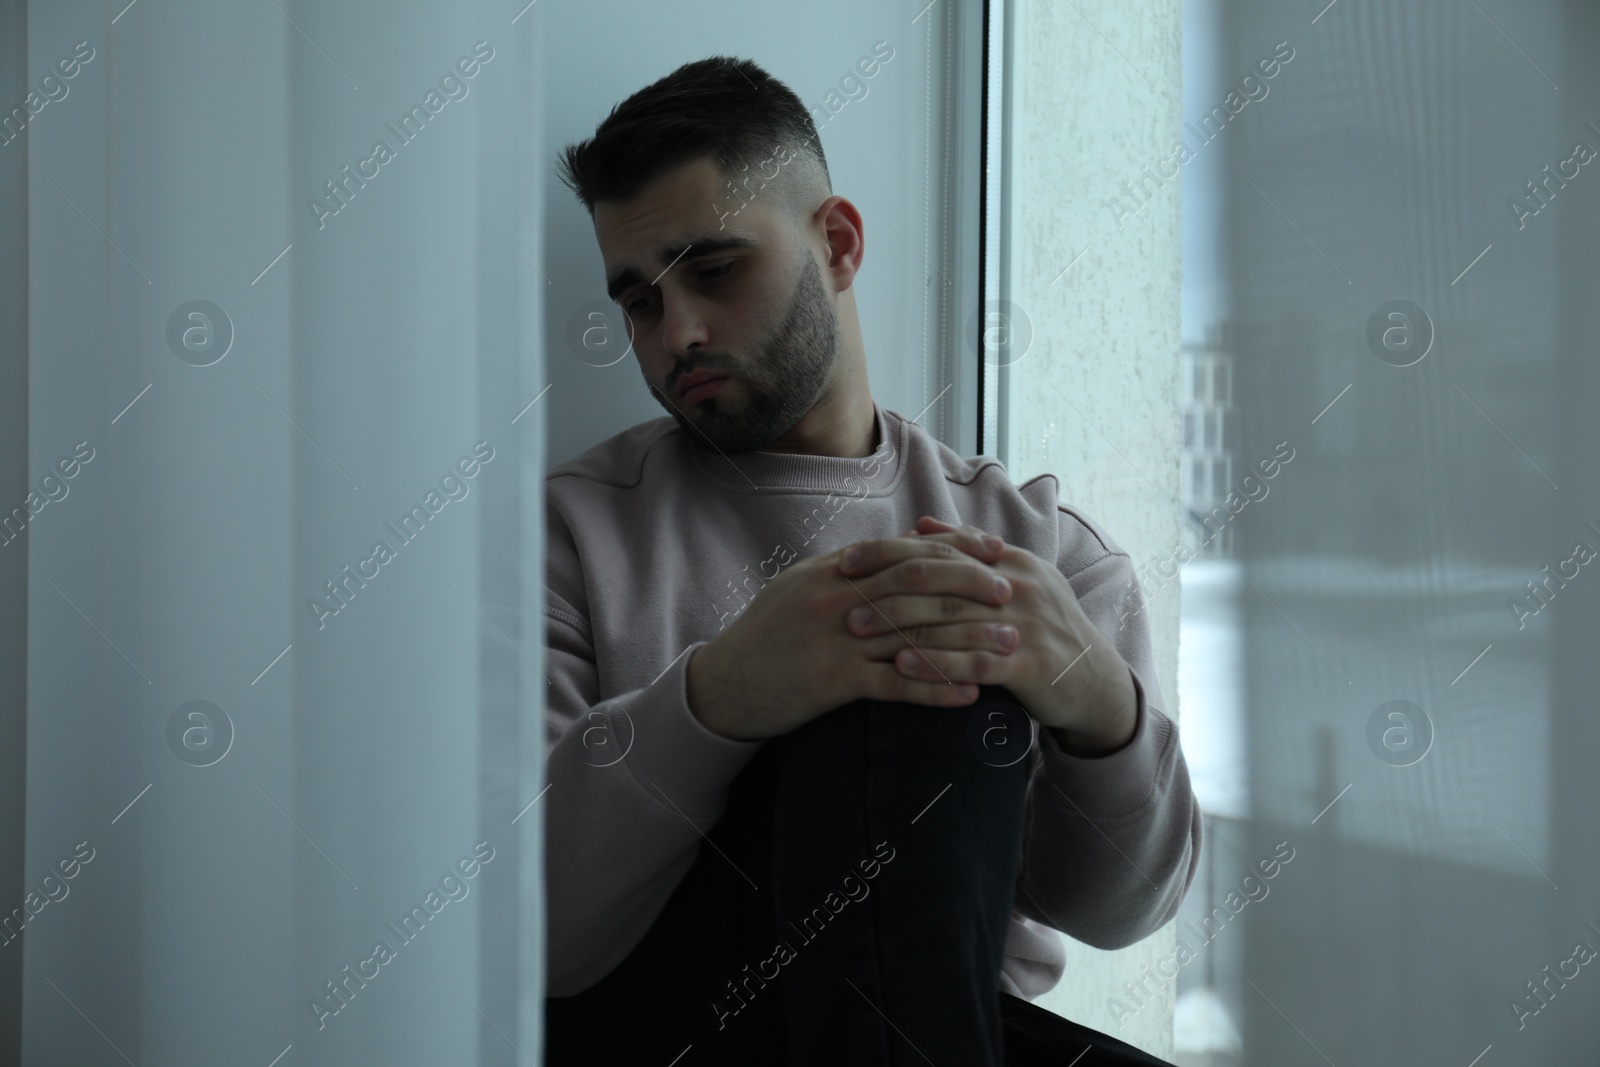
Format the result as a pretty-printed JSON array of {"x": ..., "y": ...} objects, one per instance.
[{"x": 756, "y": 472}]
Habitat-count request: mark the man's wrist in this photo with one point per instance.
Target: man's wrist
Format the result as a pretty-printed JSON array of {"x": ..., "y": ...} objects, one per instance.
[
  {"x": 699, "y": 692},
  {"x": 1124, "y": 723}
]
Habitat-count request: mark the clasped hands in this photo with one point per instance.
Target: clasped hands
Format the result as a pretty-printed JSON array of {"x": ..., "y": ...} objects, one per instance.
[{"x": 1066, "y": 673}]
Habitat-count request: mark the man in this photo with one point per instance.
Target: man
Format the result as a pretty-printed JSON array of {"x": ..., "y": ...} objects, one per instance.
[{"x": 896, "y": 810}]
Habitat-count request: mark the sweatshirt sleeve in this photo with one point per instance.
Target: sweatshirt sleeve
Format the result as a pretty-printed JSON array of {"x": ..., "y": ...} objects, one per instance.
[
  {"x": 1112, "y": 842},
  {"x": 633, "y": 782}
]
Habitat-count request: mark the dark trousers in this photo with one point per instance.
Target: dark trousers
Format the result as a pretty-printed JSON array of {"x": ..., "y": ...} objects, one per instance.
[{"x": 850, "y": 907}]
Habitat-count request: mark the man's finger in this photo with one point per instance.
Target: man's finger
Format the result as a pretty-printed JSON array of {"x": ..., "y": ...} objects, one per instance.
[
  {"x": 869, "y": 557},
  {"x": 934, "y": 525}
]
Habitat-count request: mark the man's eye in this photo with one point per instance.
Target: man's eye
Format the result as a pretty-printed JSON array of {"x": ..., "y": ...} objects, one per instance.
[{"x": 633, "y": 307}]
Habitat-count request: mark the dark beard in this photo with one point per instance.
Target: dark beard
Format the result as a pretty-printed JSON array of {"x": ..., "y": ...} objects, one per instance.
[{"x": 770, "y": 392}]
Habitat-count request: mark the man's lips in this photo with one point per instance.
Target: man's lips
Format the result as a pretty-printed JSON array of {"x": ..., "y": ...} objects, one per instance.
[{"x": 690, "y": 382}]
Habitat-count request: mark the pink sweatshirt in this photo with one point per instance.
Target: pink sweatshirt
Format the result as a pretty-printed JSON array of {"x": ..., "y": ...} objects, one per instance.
[{"x": 655, "y": 542}]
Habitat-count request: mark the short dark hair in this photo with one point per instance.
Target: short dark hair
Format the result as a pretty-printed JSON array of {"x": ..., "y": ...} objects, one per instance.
[{"x": 724, "y": 108}]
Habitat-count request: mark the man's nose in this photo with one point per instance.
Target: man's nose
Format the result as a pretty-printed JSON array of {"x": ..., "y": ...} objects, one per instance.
[{"x": 683, "y": 325}]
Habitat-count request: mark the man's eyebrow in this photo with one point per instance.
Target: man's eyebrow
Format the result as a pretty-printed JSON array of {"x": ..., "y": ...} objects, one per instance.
[{"x": 669, "y": 254}]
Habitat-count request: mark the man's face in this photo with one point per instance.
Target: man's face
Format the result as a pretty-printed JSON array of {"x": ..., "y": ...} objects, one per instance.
[{"x": 757, "y": 311}]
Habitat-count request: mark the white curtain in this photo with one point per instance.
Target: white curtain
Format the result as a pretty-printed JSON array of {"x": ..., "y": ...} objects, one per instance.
[{"x": 242, "y": 349}]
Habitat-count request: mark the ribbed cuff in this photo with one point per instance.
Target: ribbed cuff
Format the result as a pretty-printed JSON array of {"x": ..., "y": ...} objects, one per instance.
[{"x": 1117, "y": 783}]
